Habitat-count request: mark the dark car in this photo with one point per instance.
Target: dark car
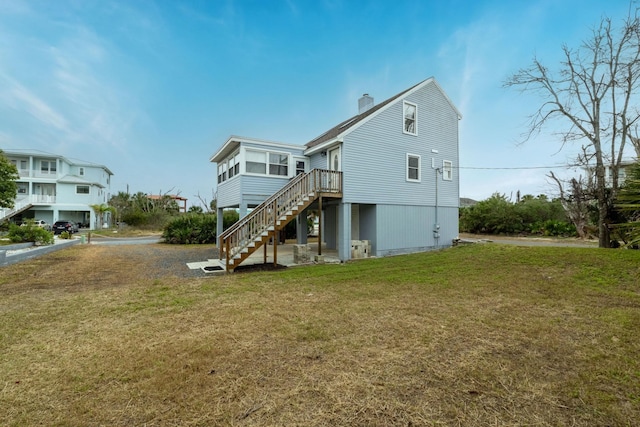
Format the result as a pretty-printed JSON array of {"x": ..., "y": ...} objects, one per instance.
[{"x": 60, "y": 226}]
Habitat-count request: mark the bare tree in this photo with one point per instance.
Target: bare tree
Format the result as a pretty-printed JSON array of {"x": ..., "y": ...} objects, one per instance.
[
  {"x": 593, "y": 94},
  {"x": 575, "y": 203}
]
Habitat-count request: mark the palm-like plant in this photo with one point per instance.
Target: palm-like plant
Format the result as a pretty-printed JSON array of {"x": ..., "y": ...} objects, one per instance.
[
  {"x": 100, "y": 210},
  {"x": 628, "y": 203}
]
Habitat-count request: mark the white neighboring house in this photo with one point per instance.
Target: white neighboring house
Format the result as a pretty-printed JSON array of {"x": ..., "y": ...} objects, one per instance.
[{"x": 54, "y": 188}]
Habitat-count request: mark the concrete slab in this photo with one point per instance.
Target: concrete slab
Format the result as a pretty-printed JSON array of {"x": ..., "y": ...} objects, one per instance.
[{"x": 285, "y": 255}]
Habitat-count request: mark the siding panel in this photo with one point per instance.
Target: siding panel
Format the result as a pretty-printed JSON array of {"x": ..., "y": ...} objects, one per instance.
[{"x": 374, "y": 155}]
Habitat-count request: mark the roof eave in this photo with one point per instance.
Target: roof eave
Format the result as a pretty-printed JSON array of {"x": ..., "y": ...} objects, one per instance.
[{"x": 324, "y": 145}]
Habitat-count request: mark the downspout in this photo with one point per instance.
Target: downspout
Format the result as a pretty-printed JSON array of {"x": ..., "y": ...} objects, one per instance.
[{"x": 436, "y": 225}]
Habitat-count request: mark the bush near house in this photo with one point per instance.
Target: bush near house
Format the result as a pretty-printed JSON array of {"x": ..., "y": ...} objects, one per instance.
[
  {"x": 30, "y": 233},
  {"x": 529, "y": 215},
  {"x": 196, "y": 228}
]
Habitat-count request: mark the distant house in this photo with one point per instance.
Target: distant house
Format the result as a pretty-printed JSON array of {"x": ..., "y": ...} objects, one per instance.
[
  {"x": 608, "y": 172},
  {"x": 465, "y": 202},
  {"x": 180, "y": 201},
  {"x": 53, "y": 188},
  {"x": 387, "y": 175}
]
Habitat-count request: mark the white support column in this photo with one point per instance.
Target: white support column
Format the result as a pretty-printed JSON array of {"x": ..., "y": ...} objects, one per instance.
[
  {"x": 301, "y": 228},
  {"x": 242, "y": 210},
  {"x": 219, "y": 226},
  {"x": 344, "y": 231}
]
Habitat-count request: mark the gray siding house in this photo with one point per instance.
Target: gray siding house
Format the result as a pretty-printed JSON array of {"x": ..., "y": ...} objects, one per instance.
[{"x": 387, "y": 175}]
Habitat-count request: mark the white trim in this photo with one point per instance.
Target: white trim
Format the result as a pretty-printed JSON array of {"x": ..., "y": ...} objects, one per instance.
[
  {"x": 448, "y": 163},
  {"x": 406, "y": 174},
  {"x": 415, "y": 118},
  {"x": 233, "y": 139}
]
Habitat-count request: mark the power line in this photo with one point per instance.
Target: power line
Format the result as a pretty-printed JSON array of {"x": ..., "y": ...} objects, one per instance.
[{"x": 519, "y": 167}]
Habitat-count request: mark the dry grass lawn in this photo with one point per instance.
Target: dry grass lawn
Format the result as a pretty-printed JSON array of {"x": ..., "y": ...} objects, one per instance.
[{"x": 471, "y": 336}]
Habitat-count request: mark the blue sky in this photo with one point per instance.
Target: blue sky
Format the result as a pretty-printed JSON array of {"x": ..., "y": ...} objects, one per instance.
[{"x": 151, "y": 89}]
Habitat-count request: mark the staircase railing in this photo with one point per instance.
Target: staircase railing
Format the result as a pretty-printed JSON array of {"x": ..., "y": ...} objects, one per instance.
[
  {"x": 264, "y": 218},
  {"x": 19, "y": 206}
]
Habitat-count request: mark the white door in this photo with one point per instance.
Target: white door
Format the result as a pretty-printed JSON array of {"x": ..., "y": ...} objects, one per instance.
[{"x": 335, "y": 164}]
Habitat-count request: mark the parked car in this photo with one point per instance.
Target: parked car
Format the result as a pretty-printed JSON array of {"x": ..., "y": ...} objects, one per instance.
[
  {"x": 60, "y": 226},
  {"x": 38, "y": 223}
]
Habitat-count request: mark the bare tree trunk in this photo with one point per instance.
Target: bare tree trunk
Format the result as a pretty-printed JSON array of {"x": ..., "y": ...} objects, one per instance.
[{"x": 574, "y": 206}]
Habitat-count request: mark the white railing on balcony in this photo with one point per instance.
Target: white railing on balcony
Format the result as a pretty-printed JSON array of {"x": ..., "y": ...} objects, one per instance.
[{"x": 26, "y": 202}]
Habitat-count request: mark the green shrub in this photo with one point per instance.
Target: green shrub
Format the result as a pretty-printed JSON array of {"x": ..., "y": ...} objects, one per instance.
[
  {"x": 498, "y": 215},
  {"x": 229, "y": 218},
  {"x": 65, "y": 235},
  {"x": 30, "y": 233},
  {"x": 191, "y": 228},
  {"x": 553, "y": 228}
]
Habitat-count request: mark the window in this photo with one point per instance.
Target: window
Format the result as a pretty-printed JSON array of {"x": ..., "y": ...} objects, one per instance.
[
  {"x": 447, "y": 170},
  {"x": 231, "y": 169},
  {"x": 410, "y": 113},
  {"x": 47, "y": 167},
  {"x": 81, "y": 171},
  {"x": 278, "y": 164},
  {"x": 82, "y": 189},
  {"x": 256, "y": 162},
  {"x": 266, "y": 163},
  {"x": 300, "y": 167},
  {"x": 413, "y": 168},
  {"x": 219, "y": 173},
  {"x": 22, "y": 187}
]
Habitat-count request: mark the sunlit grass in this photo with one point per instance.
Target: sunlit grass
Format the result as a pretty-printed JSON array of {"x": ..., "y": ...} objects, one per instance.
[{"x": 474, "y": 335}]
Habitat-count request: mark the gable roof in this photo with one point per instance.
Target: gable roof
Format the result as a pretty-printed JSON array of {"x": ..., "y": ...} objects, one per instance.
[{"x": 356, "y": 121}]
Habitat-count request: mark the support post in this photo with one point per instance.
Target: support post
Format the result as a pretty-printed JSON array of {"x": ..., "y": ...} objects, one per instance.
[
  {"x": 320, "y": 225},
  {"x": 275, "y": 233},
  {"x": 226, "y": 249}
]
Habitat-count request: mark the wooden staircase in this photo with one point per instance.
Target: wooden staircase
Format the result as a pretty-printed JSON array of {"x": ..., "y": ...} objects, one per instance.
[{"x": 244, "y": 237}]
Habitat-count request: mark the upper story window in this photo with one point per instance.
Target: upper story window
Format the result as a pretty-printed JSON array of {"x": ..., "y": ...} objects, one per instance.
[
  {"x": 256, "y": 162},
  {"x": 48, "y": 166},
  {"x": 278, "y": 164},
  {"x": 413, "y": 168},
  {"x": 23, "y": 187},
  {"x": 267, "y": 163},
  {"x": 447, "y": 170},
  {"x": 300, "y": 167},
  {"x": 81, "y": 171},
  {"x": 234, "y": 165},
  {"x": 410, "y": 115},
  {"x": 82, "y": 189}
]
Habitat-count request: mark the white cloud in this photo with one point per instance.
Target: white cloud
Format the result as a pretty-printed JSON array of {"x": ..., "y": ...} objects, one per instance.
[{"x": 21, "y": 98}]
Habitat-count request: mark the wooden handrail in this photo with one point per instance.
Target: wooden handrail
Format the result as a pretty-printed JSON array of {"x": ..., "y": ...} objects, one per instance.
[{"x": 266, "y": 215}]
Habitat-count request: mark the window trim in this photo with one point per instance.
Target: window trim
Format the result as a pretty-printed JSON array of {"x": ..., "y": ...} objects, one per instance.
[
  {"x": 419, "y": 168},
  {"x": 405, "y": 104},
  {"x": 447, "y": 166}
]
